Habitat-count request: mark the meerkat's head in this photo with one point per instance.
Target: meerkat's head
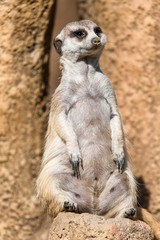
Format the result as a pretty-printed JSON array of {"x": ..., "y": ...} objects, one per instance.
[{"x": 80, "y": 39}]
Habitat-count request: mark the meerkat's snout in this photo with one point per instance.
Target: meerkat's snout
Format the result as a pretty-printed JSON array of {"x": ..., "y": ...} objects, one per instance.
[{"x": 96, "y": 41}]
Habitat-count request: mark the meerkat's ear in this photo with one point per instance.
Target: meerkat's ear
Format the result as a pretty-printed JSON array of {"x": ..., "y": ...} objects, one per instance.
[{"x": 58, "y": 44}]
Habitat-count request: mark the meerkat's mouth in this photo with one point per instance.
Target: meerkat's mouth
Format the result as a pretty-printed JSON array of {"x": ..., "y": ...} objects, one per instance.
[
  {"x": 94, "y": 47},
  {"x": 91, "y": 51}
]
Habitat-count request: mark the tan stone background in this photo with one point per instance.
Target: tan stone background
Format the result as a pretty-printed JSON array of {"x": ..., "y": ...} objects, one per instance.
[
  {"x": 132, "y": 61},
  {"x": 25, "y": 35}
]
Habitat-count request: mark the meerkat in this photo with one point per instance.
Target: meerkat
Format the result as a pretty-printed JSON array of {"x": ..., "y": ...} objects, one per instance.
[{"x": 85, "y": 166}]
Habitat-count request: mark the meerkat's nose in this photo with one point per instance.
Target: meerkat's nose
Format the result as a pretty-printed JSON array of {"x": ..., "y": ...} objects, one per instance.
[{"x": 96, "y": 41}]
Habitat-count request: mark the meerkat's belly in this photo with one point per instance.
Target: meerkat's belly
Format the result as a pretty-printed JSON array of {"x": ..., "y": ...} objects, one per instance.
[{"x": 90, "y": 117}]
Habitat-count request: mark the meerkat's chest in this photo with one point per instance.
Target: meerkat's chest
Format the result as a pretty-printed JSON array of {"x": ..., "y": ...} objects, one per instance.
[
  {"x": 85, "y": 93},
  {"x": 88, "y": 106}
]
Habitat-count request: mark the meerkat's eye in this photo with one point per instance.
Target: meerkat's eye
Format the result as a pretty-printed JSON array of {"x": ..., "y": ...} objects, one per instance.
[
  {"x": 97, "y": 31},
  {"x": 80, "y": 34}
]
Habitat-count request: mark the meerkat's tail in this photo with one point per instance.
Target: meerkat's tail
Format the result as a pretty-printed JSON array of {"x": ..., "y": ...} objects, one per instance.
[{"x": 145, "y": 216}]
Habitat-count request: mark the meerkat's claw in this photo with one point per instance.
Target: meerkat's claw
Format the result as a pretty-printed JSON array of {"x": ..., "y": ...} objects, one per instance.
[
  {"x": 70, "y": 207},
  {"x": 75, "y": 160},
  {"x": 129, "y": 213},
  {"x": 119, "y": 161},
  {"x": 81, "y": 161}
]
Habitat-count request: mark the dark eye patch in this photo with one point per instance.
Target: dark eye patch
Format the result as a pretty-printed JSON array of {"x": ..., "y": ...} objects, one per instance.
[
  {"x": 80, "y": 34},
  {"x": 97, "y": 31}
]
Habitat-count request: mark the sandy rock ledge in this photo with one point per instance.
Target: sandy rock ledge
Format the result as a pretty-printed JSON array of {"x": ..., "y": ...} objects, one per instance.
[{"x": 71, "y": 226}]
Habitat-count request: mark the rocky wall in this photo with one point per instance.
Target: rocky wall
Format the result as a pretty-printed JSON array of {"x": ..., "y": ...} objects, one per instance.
[{"x": 25, "y": 30}]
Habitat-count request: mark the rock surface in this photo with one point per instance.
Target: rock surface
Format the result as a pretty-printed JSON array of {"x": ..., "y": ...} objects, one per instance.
[
  {"x": 131, "y": 59},
  {"x": 71, "y": 226},
  {"x": 24, "y": 47}
]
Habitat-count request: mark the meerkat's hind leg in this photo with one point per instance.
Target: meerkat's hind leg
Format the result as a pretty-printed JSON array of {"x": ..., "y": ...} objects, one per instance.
[
  {"x": 61, "y": 203},
  {"x": 70, "y": 207},
  {"x": 130, "y": 213},
  {"x": 50, "y": 190},
  {"x": 126, "y": 209},
  {"x": 121, "y": 210}
]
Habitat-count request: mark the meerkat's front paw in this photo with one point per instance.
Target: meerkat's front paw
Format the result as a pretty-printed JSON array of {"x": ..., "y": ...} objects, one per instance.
[
  {"x": 119, "y": 160},
  {"x": 70, "y": 207},
  {"x": 75, "y": 158},
  {"x": 76, "y": 161}
]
